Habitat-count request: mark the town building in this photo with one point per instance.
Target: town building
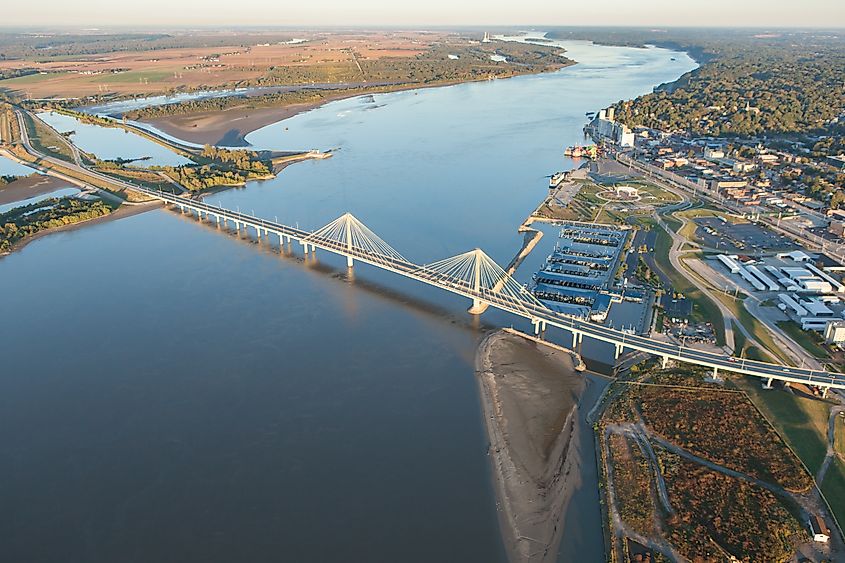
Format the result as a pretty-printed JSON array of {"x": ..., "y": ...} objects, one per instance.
[
  {"x": 605, "y": 128},
  {"x": 820, "y": 531},
  {"x": 834, "y": 332}
]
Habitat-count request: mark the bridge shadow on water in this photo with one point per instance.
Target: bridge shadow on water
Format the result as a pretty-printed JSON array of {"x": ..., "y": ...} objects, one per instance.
[{"x": 347, "y": 276}]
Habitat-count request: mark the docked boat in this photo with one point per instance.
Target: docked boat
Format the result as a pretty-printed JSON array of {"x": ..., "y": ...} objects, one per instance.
[
  {"x": 556, "y": 179},
  {"x": 577, "y": 151}
]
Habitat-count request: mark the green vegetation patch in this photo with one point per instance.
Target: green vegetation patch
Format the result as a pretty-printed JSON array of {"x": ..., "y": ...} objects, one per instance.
[
  {"x": 720, "y": 426},
  {"x": 833, "y": 488},
  {"x": 808, "y": 339},
  {"x": 632, "y": 484},
  {"x": 803, "y": 422},
  {"x": 28, "y": 220},
  {"x": 46, "y": 140},
  {"x": 717, "y": 515}
]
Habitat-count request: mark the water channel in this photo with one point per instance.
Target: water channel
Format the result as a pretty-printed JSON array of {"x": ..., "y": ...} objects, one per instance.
[{"x": 171, "y": 393}]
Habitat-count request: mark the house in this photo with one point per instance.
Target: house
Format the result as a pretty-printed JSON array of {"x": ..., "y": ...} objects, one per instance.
[
  {"x": 740, "y": 167},
  {"x": 714, "y": 153},
  {"x": 820, "y": 531}
]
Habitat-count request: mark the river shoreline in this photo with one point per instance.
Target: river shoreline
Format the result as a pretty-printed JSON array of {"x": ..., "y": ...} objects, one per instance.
[
  {"x": 531, "y": 398},
  {"x": 214, "y": 127},
  {"x": 30, "y": 186}
]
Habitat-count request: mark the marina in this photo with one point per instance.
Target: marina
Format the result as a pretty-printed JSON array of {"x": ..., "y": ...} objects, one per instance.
[{"x": 579, "y": 276}]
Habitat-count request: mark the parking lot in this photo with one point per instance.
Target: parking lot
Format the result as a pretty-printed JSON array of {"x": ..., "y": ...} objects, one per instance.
[{"x": 739, "y": 238}]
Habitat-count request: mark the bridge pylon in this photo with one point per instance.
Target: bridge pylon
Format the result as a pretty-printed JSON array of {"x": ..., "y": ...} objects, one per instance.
[
  {"x": 351, "y": 236},
  {"x": 478, "y": 274}
]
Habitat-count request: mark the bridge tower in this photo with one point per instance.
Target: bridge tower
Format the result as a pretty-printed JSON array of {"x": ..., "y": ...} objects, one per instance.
[
  {"x": 348, "y": 229},
  {"x": 477, "y": 306}
]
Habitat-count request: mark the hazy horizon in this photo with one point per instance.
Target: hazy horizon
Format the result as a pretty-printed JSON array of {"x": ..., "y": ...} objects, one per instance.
[{"x": 437, "y": 13}]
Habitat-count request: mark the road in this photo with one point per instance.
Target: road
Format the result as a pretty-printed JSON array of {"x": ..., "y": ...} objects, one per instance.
[{"x": 802, "y": 235}]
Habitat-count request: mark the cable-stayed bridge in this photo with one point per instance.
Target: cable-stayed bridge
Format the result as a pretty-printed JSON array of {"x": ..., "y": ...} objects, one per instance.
[
  {"x": 477, "y": 277},
  {"x": 472, "y": 274}
]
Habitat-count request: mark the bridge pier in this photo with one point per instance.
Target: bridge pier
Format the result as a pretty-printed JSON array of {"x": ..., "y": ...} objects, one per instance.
[
  {"x": 665, "y": 362},
  {"x": 478, "y": 307},
  {"x": 305, "y": 248},
  {"x": 824, "y": 392},
  {"x": 768, "y": 384},
  {"x": 349, "y": 262},
  {"x": 618, "y": 351}
]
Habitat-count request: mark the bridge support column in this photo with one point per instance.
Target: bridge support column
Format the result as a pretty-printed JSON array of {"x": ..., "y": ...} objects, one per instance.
[
  {"x": 824, "y": 392},
  {"x": 618, "y": 351},
  {"x": 768, "y": 384},
  {"x": 478, "y": 307},
  {"x": 665, "y": 362},
  {"x": 536, "y": 323},
  {"x": 575, "y": 336},
  {"x": 349, "y": 262},
  {"x": 305, "y": 247},
  {"x": 715, "y": 373}
]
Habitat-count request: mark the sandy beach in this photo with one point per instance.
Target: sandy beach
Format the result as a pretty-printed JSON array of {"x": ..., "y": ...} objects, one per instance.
[
  {"x": 227, "y": 127},
  {"x": 530, "y": 396},
  {"x": 30, "y": 186}
]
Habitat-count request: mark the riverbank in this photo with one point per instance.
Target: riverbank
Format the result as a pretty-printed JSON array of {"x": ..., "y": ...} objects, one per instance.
[
  {"x": 229, "y": 127},
  {"x": 530, "y": 396},
  {"x": 33, "y": 185},
  {"x": 119, "y": 213}
]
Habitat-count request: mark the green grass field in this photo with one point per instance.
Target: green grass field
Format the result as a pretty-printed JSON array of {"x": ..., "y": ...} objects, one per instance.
[
  {"x": 801, "y": 421},
  {"x": 46, "y": 140},
  {"x": 134, "y": 76},
  {"x": 805, "y": 338},
  {"x": 20, "y": 82},
  {"x": 833, "y": 488},
  {"x": 839, "y": 436}
]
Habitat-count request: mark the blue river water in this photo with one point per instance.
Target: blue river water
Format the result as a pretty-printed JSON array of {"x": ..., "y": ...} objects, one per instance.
[
  {"x": 112, "y": 143},
  {"x": 173, "y": 393}
]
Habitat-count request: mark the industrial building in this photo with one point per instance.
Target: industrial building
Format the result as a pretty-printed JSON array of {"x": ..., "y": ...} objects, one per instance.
[
  {"x": 605, "y": 128},
  {"x": 834, "y": 332}
]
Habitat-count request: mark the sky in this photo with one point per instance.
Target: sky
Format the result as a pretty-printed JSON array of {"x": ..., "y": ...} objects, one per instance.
[{"x": 411, "y": 13}]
